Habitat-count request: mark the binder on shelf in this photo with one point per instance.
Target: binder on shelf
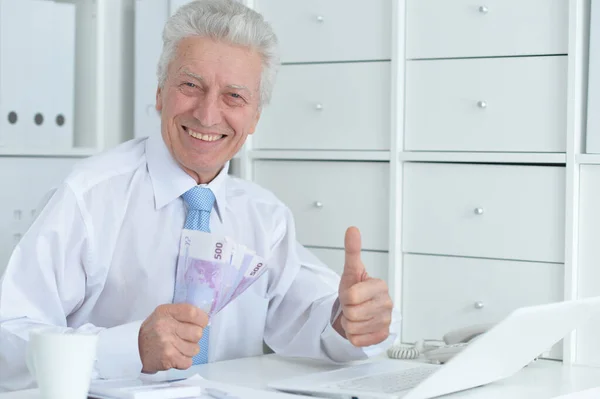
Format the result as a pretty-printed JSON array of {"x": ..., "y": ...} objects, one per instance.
[{"x": 37, "y": 74}]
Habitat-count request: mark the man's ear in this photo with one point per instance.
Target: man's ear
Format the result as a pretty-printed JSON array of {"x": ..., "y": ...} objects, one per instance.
[
  {"x": 255, "y": 122},
  {"x": 159, "y": 104}
]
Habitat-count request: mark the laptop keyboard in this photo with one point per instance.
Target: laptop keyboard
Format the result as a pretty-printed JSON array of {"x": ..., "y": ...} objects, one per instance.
[{"x": 388, "y": 382}]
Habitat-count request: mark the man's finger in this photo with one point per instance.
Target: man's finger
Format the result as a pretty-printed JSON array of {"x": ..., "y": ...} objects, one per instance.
[
  {"x": 185, "y": 348},
  {"x": 363, "y": 327},
  {"x": 363, "y": 292},
  {"x": 368, "y": 339},
  {"x": 182, "y": 362},
  {"x": 363, "y": 312},
  {"x": 187, "y": 313},
  {"x": 189, "y": 332},
  {"x": 354, "y": 270},
  {"x": 352, "y": 245},
  {"x": 375, "y": 308}
]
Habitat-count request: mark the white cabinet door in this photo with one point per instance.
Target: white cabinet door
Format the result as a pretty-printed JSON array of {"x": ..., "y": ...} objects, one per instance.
[
  {"x": 593, "y": 116},
  {"x": 442, "y": 293},
  {"x": 328, "y": 197},
  {"x": 332, "y": 30},
  {"x": 492, "y": 104},
  {"x": 37, "y": 74},
  {"x": 489, "y": 211},
  {"x": 328, "y": 107},
  {"x": 376, "y": 263},
  {"x": 25, "y": 183},
  {"x": 463, "y": 28},
  {"x": 588, "y": 342}
]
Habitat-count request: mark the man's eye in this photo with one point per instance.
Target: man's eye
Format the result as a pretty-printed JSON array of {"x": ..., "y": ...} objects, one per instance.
[
  {"x": 235, "y": 95},
  {"x": 190, "y": 84}
]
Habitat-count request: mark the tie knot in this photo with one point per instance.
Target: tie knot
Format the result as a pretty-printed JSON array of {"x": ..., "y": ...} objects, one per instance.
[{"x": 199, "y": 198}]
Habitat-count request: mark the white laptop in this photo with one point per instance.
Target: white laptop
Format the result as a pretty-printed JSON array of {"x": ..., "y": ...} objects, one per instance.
[{"x": 502, "y": 351}]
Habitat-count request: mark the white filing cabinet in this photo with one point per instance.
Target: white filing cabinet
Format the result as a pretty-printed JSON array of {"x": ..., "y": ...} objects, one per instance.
[
  {"x": 592, "y": 145},
  {"x": 330, "y": 31},
  {"x": 446, "y": 292},
  {"x": 462, "y": 28},
  {"x": 484, "y": 211},
  {"x": 323, "y": 143},
  {"x": 339, "y": 106},
  {"x": 506, "y": 104},
  {"x": 326, "y": 197},
  {"x": 483, "y": 191},
  {"x": 482, "y": 127},
  {"x": 588, "y": 279},
  {"x": 59, "y": 64},
  {"x": 26, "y": 183}
]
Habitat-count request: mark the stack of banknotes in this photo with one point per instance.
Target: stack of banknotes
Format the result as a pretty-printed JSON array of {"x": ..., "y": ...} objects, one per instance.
[{"x": 213, "y": 270}]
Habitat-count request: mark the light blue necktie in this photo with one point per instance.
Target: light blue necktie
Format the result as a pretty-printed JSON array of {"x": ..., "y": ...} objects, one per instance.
[{"x": 200, "y": 202}]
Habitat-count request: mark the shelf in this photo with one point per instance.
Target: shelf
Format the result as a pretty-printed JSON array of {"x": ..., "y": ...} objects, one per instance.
[
  {"x": 484, "y": 157},
  {"x": 70, "y": 107},
  {"x": 589, "y": 159},
  {"x": 321, "y": 154},
  {"x": 48, "y": 152}
]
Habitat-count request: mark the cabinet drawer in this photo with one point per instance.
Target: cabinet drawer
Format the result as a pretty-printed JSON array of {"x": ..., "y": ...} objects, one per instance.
[
  {"x": 444, "y": 293},
  {"x": 492, "y": 104},
  {"x": 489, "y": 211},
  {"x": 328, "y": 197},
  {"x": 463, "y": 28},
  {"x": 588, "y": 276},
  {"x": 316, "y": 30},
  {"x": 328, "y": 107},
  {"x": 376, "y": 263},
  {"x": 27, "y": 182}
]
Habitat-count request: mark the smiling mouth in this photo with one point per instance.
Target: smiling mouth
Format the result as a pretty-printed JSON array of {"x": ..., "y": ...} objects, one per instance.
[{"x": 203, "y": 137}]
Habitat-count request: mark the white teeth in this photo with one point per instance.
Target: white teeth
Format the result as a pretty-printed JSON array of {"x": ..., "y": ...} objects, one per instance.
[{"x": 204, "y": 137}]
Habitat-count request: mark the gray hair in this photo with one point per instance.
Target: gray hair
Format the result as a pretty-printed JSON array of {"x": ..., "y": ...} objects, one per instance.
[{"x": 226, "y": 20}]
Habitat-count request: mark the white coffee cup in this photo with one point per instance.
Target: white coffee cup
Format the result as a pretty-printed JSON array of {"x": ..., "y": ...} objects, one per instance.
[{"x": 62, "y": 363}]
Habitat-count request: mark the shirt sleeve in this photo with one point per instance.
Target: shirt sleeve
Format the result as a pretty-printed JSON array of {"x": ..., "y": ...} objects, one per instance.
[
  {"x": 304, "y": 304},
  {"x": 44, "y": 283}
]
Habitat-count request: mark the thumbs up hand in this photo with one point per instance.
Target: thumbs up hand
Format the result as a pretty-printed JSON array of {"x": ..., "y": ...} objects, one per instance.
[{"x": 365, "y": 301}]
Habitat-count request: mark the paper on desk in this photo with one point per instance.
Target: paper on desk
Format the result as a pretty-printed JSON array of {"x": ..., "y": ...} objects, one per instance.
[
  {"x": 139, "y": 389},
  {"x": 593, "y": 393},
  {"x": 192, "y": 387},
  {"x": 241, "y": 392}
]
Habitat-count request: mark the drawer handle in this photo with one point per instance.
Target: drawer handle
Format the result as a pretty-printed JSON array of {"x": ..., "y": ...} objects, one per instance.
[
  {"x": 319, "y": 107},
  {"x": 482, "y": 104},
  {"x": 478, "y": 211},
  {"x": 318, "y": 204},
  {"x": 320, "y": 18},
  {"x": 478, "y": 305},
  {"x": 483, "y": 9}
]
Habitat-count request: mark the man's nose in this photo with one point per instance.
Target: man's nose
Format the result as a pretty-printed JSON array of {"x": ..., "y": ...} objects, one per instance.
[{"x": 208, "y": 111}]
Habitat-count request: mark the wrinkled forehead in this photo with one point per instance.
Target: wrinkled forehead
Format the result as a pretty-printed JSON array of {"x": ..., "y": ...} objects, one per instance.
[{"x": 214, "y": 61}]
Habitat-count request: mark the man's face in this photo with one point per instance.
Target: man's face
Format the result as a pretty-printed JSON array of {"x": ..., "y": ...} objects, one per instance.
[{"x": 209, "y": 104}]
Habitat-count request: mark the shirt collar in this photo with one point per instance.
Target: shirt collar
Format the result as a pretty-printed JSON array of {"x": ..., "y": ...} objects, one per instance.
[{"x": 170, "y": 181}]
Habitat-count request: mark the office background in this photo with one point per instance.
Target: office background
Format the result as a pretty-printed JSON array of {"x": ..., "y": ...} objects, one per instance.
[{"x": 461, "y": 139}]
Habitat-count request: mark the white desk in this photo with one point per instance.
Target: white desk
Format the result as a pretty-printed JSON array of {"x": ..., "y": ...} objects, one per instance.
[{"x": 541, "y": 380}]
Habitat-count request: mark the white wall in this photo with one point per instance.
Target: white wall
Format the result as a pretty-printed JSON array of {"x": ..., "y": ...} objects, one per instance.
[{"x": 119, "y": 71}]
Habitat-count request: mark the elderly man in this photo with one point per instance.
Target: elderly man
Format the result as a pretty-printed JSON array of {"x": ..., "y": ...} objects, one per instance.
[{"x": 102, "y": 255}]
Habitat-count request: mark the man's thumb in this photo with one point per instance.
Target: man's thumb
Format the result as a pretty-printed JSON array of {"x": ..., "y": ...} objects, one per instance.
[{"x": 354, "y": 269}]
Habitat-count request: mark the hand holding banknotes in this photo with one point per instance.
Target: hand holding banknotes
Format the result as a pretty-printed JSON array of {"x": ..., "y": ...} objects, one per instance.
[
  {"x": 365, "y": 301},
  {"x": 169, "y": 337}
]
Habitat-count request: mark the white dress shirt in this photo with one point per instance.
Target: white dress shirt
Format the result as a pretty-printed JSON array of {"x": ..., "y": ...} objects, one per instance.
[{"x": 102, "y": 254}]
